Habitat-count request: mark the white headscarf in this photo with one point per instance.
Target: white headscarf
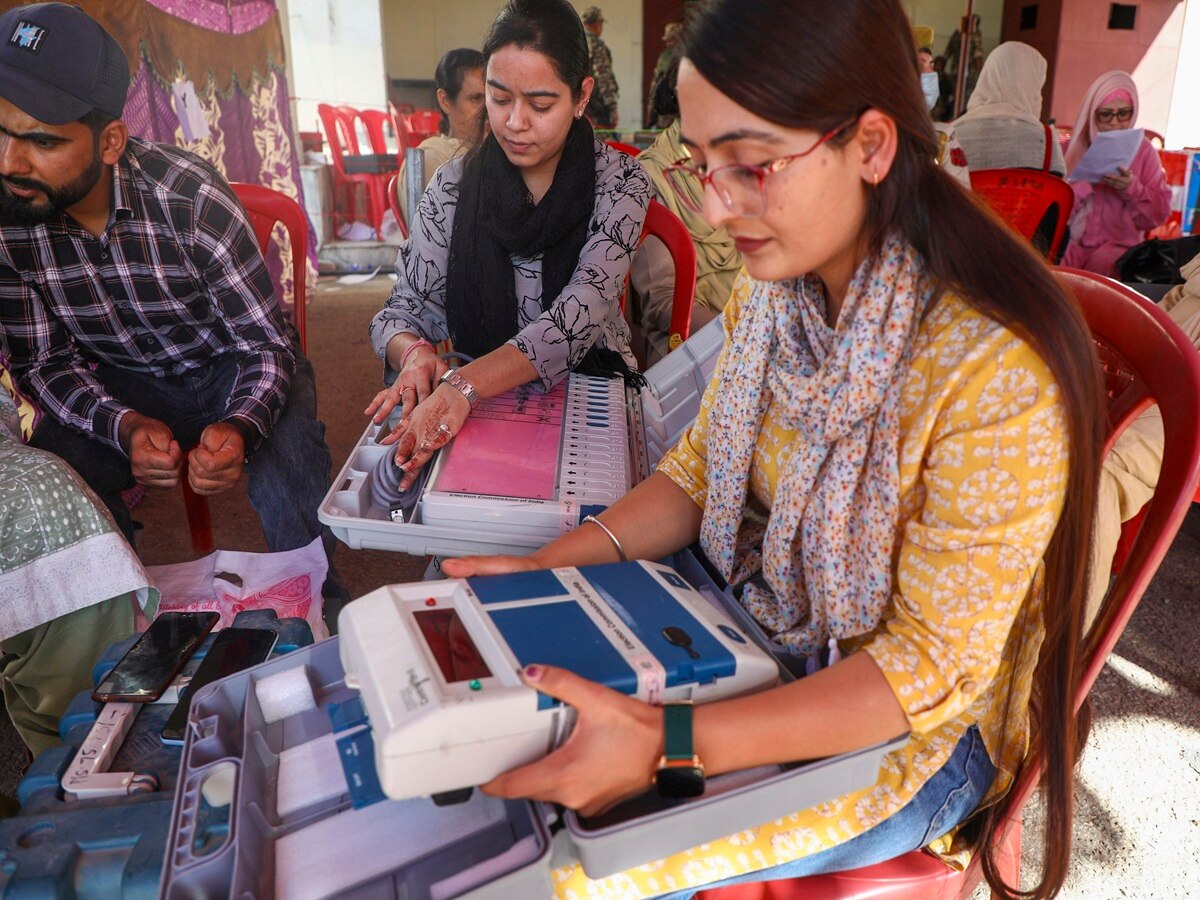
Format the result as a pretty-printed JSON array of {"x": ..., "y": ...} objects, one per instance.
[{"x": 1009, "y": 86}]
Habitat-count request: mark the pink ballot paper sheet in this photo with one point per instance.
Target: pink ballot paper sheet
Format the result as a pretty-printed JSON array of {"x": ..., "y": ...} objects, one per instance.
[{"x": 509, "y": 446}]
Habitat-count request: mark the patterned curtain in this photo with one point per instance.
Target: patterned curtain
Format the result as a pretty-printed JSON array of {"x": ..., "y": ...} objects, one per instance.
[{"x": 232, "y": 51}]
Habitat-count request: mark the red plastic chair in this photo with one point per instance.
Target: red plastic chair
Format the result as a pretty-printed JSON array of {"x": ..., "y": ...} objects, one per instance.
[
  {"x": 424, "y": 123},
  {"x": 393, "y": 199},
  {"x": 624, "y": 148},
  {"x": 264, "y": 208},
  {"x": 669, "y": 228},
  {"x": 377, "y": 124},
  {"x": 348, "y": 128},
  {"x": 404, "y": 133},
  {"x": 1146, "y": 359},
  {"x": 1064, "y": 136},
  {"x": 339, "y": 132},
  {"x": 1022, "y": 197}
]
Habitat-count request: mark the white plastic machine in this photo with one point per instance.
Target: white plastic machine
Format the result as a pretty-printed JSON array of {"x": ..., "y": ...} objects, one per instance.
[
  {"x": 437, "y": 662},
  {"x": 527, "y": 465}
]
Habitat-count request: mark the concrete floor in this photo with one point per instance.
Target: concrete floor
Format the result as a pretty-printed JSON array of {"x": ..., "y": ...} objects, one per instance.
[{"x": 1138, "y": 817}]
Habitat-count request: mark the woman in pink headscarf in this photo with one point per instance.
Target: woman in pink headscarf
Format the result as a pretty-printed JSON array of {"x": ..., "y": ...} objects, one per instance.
[{"x": 1111, "y": 215}]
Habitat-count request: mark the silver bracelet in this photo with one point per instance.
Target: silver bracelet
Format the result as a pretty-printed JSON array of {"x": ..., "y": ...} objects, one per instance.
[{"x": 612, "y": 537}]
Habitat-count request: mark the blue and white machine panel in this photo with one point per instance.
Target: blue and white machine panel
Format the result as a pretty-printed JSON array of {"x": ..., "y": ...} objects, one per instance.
[{"x": 438, "y": 662}]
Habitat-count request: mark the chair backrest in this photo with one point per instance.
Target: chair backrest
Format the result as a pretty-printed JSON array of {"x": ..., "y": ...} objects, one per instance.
[
  {"x": 338, "y": 134},
  {"x": 403, "y": 129},
  {"x": 1155, "y": 138},
  {"x": 424, "y": 123},
  {"x": 351, "y": 119},
  {"x": 264, "y": 207},
  {"x": 669, "y": 228},
  {"x": 624, "y": 148},
  {"x": 378, "y": 123},
  {"x": 1147, "y": 359},
  {"x": 393, "y": 200},
  {"x": 1023, "y": 197}
]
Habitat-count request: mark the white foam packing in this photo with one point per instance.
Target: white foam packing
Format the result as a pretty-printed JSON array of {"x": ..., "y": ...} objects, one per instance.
[{"x": 284, "y": 694}]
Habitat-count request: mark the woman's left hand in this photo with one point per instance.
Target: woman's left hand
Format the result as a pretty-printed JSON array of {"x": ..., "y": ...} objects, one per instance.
[
  {"x": 1119, "y": 180},
  {"x": 431, "y": 425},
  {"x": 611, "y": 753}
]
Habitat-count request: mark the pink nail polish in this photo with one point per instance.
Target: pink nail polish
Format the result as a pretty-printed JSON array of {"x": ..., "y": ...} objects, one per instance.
[{"x": 533, "y": 672}]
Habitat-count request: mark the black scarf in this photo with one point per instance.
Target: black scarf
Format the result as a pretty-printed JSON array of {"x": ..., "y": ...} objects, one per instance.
[{"x": 495, "y": 220}]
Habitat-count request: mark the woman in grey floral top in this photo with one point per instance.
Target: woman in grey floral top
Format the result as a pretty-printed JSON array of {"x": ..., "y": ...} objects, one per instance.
[{"x": 519, "y": 250}]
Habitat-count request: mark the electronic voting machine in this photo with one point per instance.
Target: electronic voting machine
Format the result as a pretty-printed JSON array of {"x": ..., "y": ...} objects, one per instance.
[
  {"x": 527, "y": 466},
  {"x": 437, "y": 662}
]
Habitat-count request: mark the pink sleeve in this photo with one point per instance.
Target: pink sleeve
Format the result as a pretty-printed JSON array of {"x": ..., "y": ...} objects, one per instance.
[{"x": 1148, "y": 196}]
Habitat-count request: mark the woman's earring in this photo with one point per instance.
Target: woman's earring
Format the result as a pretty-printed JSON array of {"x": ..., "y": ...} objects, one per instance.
[{"x": 875, "y": 178}]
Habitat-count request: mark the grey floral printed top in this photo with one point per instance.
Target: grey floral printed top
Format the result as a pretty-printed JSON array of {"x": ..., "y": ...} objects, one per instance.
[{"x": 588, "y": 309}]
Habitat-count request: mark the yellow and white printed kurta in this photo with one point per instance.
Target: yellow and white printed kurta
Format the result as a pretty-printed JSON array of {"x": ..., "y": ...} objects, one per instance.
[{"x": 983, "y": 465}]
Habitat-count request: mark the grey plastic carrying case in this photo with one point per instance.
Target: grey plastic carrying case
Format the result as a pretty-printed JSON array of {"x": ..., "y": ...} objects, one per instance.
[
  {"x": 657, "y": 417},
  {"x": 230, "y": 837}
]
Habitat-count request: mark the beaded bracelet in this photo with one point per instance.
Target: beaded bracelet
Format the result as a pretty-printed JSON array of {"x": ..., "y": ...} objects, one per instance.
[
  {"x": 419, "y": 342},
  {"x": 612, "y": 537}
]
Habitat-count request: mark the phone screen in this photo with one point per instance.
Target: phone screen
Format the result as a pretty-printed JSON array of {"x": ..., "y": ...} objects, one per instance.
[
  {"x": 232, "y": 650},
  {"x": 144, "y": 672}
]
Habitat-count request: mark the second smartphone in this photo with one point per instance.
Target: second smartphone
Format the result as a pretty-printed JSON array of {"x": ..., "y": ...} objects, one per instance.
[{"x": 232, "y": 650}]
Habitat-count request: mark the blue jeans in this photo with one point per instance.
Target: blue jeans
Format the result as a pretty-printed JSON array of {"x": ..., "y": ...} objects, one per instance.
[
  {"x": 288, "y": 475},
  {"x": 944, "y": 801}
]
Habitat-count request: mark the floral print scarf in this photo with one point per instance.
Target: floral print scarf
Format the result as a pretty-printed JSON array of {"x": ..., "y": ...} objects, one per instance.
[{"x": 820, "y": 566}]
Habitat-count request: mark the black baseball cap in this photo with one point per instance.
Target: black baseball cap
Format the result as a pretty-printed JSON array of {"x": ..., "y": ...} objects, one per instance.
[{"x": 57, "y": 64}]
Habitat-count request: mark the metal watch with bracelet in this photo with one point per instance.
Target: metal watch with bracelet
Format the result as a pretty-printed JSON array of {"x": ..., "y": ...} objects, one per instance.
[{"x": 460, "y": 384}]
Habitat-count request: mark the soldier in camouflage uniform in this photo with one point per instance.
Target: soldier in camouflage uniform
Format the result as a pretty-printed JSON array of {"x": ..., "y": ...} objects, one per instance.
[{"x": 602, "y": 108}]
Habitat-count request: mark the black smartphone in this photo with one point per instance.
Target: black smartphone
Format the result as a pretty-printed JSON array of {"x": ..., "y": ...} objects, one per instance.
[
  {"x": 232, "y": 650},
  {"x": 144, "y": 672}
]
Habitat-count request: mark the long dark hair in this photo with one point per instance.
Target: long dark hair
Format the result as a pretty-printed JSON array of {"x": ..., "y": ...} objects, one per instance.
[
  {"x": 451, "y": 71},
  {"x": 865, "y": 59}
]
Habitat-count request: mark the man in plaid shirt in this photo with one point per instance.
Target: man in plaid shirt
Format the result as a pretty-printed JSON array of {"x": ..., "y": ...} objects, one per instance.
[{"x": 135, "y": 306}]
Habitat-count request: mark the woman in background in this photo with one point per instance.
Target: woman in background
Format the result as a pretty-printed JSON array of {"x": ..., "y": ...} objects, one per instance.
[
  {"x": 1002, "y": 127},
  {"x": 1113, "y": 214},
  {"x": 459, "y": 79},
  {"x": 880, "y": 467},
  {"x": 652, "y": 275},
  {"x": 520, "y": 249}
]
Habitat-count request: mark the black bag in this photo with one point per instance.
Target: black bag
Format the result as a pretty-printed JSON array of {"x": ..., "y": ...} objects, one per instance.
[{"x": 1157, "y": 262}]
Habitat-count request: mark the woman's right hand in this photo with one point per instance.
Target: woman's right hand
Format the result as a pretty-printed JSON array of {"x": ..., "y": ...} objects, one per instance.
[
  {"x": 415, "y": 382},
  {"x": 466, "y": 566}
]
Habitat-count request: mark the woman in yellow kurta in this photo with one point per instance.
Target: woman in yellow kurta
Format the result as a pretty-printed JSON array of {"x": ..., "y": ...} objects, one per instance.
[{"x": 895, "y": 464}]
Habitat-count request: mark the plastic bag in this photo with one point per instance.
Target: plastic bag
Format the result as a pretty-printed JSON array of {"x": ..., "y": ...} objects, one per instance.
[{"x": 230, "y": 581}]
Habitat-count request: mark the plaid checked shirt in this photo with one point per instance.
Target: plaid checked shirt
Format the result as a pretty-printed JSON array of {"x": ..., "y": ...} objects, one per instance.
[{"x": 175, "y": 280}]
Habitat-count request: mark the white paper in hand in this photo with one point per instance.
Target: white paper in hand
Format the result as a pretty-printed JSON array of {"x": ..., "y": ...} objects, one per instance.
[{"x": 1109, "y": 151}]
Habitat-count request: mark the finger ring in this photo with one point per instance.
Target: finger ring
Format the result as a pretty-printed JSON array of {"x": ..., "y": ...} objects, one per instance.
[{"x": 443, "y": 428}]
